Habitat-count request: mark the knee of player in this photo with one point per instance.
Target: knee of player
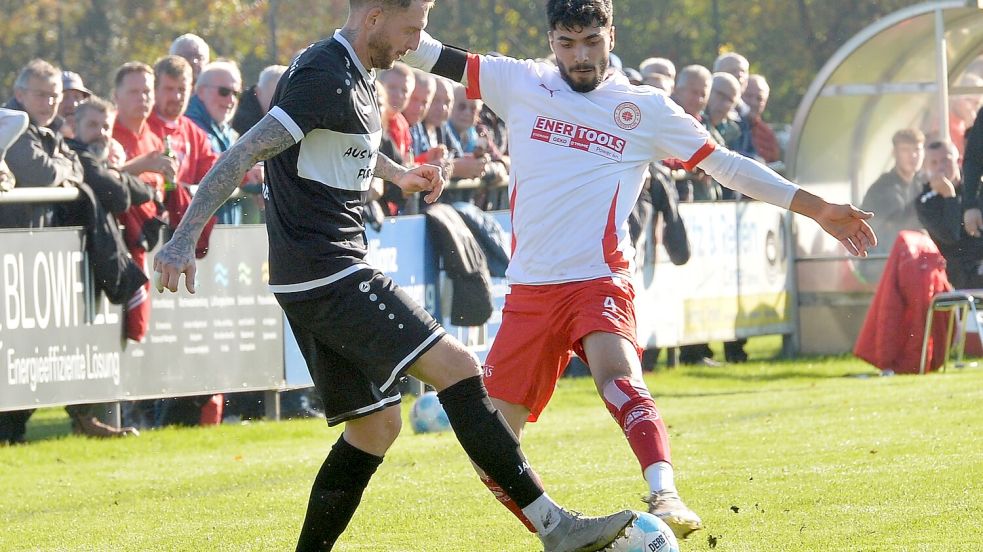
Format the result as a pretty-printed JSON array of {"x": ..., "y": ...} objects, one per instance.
[{"x": 623, "y": 386}]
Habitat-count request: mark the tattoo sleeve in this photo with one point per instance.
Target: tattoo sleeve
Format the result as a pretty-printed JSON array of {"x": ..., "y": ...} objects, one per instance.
[
  {"x": 387, "y": 169},
  {"x": 266, "y": 139}
]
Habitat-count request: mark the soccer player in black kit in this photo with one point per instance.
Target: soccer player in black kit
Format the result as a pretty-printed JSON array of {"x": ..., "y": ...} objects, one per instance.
[{"x": 358, "y": 331}]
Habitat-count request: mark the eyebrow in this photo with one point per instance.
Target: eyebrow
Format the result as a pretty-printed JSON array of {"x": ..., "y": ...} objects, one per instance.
[{"x": 588, "y": 37}]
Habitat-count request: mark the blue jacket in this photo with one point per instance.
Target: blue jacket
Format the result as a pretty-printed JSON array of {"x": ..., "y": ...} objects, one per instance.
[{"x": 221, "y": 136}]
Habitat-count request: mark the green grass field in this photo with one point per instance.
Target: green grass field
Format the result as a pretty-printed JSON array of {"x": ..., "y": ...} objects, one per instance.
[{"x": 806, "y": 455}]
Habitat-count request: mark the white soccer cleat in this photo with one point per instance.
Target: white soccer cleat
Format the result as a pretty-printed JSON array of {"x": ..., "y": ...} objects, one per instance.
[
  {"x": 577, "y": 533},
  {"x": 667, "y": 506}
]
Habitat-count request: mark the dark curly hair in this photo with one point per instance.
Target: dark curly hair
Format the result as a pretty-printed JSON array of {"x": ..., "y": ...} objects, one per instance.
[{"x": 574, "y": 14}]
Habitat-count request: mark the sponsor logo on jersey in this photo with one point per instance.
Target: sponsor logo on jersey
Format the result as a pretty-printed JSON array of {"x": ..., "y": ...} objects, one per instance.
[
  {"x": 564, "y": 134},
  {"x": 627, "y": 115}
]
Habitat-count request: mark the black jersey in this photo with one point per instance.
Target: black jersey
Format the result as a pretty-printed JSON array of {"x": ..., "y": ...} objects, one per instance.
[{"x": 316, "y": 189}]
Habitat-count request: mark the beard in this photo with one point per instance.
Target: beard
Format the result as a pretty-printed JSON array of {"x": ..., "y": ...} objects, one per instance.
[
  {"x": 585, "y": 85},
  {"x": 99, "y": 149},
  {"x": 381, "y": 53}
]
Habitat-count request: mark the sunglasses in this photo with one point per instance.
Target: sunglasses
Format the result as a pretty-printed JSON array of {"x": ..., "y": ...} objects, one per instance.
[{"x": 225, "y": 91}]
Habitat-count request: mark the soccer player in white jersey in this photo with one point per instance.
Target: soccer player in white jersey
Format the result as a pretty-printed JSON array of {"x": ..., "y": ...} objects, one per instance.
[{"x": 580, "y": 145}]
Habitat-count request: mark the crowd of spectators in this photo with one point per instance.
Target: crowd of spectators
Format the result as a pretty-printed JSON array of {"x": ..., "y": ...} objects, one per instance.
[{"x": 142, "y": 153}]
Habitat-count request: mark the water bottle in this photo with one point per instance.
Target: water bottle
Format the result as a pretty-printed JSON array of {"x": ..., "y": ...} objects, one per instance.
[{"x": 169, "y": 153}]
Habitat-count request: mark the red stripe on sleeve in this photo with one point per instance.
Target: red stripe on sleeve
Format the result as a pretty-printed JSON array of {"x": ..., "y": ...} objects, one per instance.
[
  {"x": 474, "y": 83},
  {"x": 700, "y": 155}
]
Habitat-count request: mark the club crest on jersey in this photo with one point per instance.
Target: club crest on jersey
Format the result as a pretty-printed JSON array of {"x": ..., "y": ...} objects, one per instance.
[{"x": 627, "y": 115}]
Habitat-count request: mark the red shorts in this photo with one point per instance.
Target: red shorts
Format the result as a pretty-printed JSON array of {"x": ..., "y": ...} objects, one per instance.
[{"x": 542, "y": 326}]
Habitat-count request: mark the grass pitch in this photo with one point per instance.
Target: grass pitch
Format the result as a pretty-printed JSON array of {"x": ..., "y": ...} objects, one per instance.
[{"x": 776, "y": 456}]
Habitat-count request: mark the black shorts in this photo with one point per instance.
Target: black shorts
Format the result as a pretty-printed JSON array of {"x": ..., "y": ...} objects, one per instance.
[{"x": 358, "y": 339}]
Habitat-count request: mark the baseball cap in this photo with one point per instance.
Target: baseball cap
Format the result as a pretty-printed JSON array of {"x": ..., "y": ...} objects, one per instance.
[{"x": 71, "y": 80}]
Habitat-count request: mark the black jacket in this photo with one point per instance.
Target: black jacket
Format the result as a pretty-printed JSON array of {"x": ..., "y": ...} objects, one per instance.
[
  {"x": 942, "y": 218},
  {"x": 494, "y": 242},
  {"x": 116, "y": 190},
  {"x": 465, "y": 264},
  {"x": 973, "y": 165}
]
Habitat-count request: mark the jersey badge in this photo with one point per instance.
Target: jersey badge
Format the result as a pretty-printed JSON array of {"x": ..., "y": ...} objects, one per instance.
[{"x": 627, "y": 115}]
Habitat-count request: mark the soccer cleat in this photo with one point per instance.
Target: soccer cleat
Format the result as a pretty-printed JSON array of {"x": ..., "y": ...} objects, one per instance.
[
  {"x": 577, "y": 533},
  {"x": 667, "y": 506}
]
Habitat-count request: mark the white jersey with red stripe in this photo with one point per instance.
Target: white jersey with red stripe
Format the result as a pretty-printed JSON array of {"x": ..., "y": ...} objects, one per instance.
[{"x": 578, "y": 164}]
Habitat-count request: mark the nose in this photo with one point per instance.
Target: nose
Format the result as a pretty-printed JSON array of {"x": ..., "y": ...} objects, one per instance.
[
  {"x": 580, "y": 54},
  {"x": 414, "y": 42}
]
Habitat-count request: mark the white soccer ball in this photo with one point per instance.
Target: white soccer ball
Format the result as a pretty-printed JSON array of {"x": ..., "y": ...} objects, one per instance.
[
  {"x": 647, "y": 534},
  {"x": 427, "y": 414}
]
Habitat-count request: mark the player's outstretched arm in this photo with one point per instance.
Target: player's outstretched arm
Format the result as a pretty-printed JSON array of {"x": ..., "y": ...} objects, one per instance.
[
  {"x": 844, "y": 222},
  {"x": 177, "y": 257},
  {"x": 422, "y": 178}
]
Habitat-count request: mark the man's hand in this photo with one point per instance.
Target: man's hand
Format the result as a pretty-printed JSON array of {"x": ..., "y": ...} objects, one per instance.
[
  {"x": 174, "y": 259},
  {"x": 469, "y": 167},
  {"x": 849, "y": 225},
  {"x": 422, "y": 179},
  {"x": 942, "y": 186},
  {"x": 973, "y": 222}
]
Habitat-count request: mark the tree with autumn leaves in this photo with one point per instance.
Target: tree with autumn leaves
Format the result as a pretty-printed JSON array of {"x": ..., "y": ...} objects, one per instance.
[{"x": 787, "y": 40}]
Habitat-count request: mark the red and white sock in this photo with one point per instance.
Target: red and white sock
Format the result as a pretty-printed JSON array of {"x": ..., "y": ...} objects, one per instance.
[
  {"x": 631, "y": 405},
  {"x": 507, "y": 501}
]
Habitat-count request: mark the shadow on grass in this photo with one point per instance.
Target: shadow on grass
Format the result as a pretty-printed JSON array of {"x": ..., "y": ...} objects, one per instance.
[{"x": 48, "y": 423}]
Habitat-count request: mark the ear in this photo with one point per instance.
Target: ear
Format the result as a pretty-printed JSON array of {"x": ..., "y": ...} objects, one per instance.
[
  {"x": 374, "y": 17},
  {"x": 613, "y": 33}
]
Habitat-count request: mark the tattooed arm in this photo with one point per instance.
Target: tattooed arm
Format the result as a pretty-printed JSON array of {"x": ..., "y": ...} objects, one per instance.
[
  {"x": 423, "y": 178},
  {"x": 262, "y": 142}
]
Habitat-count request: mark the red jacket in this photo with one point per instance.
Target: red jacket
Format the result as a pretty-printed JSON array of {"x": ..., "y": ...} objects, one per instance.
[
  {"x": 136, "y": 217},
  {"x": 891, "y": 337},
  {"x": 195, "y": 158}
]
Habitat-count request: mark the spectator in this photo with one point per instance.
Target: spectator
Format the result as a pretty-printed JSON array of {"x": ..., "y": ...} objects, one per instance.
[
  {"x": 464, "y": 117},
  {"x": 718, "y": 120},
  {"x": 211, "y": 108},
  {"x": 399, "y": 83},
  {"x": 435, "y": 123},
  {"x": 194, "y": 49},
  {"x": 762, "y": 135},
  {"x": 892, "y": 196},
  {"x": 939, "y": 209},
  {"x": 424, "y": 89},
  {"x": 725, "y": 91},
  {"x": 74, "y": 93},
  {"x": 40, "y": 157},
  {"x": 134, "y": 95},
  {"x": 692, "y": 89},
  {"x": 734, "y": 64},
  {"x": 737, "y": 66},
  {"x": 972, "y": 175},
  {"x": 658, "y": 72},
  {"x": 189, "y": 144},
  {"x": 116, "y": 190},
  {"x": 473, "y": 160},
  {"x": 255, "y": 102}
]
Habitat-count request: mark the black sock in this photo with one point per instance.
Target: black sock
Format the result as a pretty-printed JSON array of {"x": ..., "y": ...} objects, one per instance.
[
  {"x": 335, "y": 495},
  {"x": 487, "y": 439}
]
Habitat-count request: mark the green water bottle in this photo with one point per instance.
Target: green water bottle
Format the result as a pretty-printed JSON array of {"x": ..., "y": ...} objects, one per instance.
[{"x": 169, "y": 153}]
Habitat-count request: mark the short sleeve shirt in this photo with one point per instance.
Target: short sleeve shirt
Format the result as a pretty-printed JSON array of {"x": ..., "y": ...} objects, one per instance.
[{"x": 315, "y": 190}]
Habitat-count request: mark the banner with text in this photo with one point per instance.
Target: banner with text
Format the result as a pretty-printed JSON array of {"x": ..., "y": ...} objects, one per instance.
[{"x": 58, "y": 344}]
